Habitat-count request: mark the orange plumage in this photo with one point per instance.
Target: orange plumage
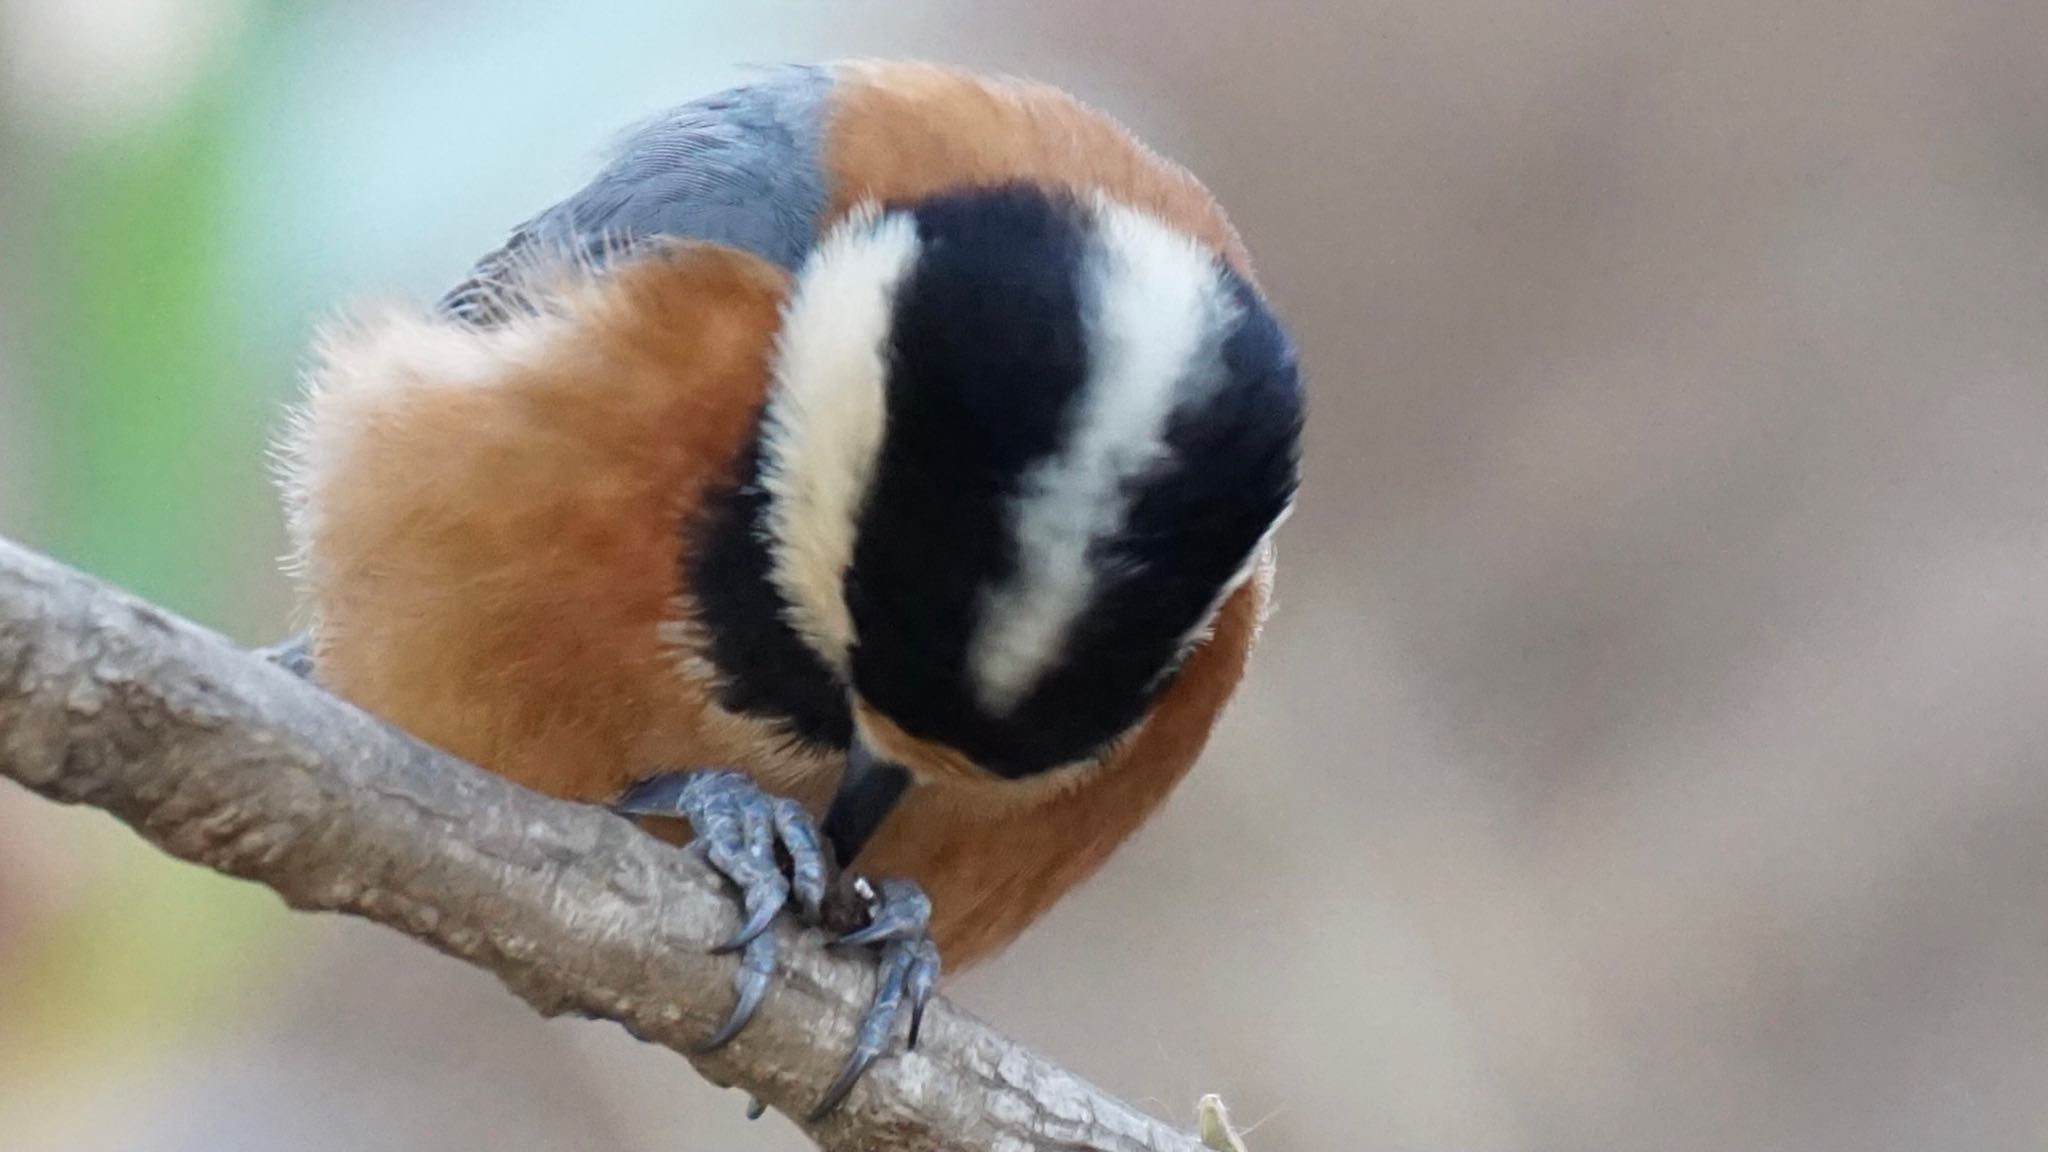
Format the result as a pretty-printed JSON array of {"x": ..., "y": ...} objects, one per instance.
[{"x": 490, "y": 520}]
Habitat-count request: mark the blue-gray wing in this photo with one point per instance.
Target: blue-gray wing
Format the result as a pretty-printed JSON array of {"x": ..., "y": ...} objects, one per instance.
[{"x": 741, "y": 168}]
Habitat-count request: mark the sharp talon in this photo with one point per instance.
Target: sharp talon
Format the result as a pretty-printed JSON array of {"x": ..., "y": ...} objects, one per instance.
[
  {"x": 736, "y": 829},
  {"x": 756, "y": 1108},
  {"x": 903, "y": 912},
  {"x": 837, "y": 1093},
  {"x": 659, "y": 796},
  {"x": 872, "y": 934},
  {"x": 751, "y": 981},
  {"x": 919, "y": 983},
  {"x": 750, "y": 999},
  {"x": 907, "y": 969},
  {"x": 294, "y": 655},
  {"x": 762, "y": 915}
]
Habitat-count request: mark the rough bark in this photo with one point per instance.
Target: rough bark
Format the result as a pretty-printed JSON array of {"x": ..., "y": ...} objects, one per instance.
[{"x": 218, "y": 758}]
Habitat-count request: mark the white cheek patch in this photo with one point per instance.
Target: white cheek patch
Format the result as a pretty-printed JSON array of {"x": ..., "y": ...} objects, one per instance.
[
  {"x": 1155, "y": 311},
  {"x": 826, "y": 418}
]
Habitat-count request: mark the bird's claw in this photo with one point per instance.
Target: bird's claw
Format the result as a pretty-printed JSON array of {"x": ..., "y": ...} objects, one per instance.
[
  {"x": 756, "y": 970},
  {"x": 899, "y": 911},
  {"x": 738, "y": 830},
  {"x": 899, "y": 919},
  {"x": 294, "y": 655}
]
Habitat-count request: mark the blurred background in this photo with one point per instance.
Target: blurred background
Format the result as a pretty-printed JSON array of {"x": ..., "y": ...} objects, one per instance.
[{"x": 1651, "y": 749}]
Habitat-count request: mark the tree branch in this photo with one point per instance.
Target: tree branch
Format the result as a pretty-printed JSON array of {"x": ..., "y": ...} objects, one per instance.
[{"x": 218, "y": 758}]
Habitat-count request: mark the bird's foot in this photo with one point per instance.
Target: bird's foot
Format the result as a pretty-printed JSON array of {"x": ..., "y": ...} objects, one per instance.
[
  {"x": 294, "y": 655},
  {"x": 899, "y": 920},
  {"x": 738, "y": 829}
]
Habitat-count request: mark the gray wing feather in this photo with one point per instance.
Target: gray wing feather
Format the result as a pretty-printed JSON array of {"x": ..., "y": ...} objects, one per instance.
[{"x": 740, "y": 168}]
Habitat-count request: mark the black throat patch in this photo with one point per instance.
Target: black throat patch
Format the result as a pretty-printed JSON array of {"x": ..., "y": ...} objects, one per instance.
[{"x": 766, "y": 671}]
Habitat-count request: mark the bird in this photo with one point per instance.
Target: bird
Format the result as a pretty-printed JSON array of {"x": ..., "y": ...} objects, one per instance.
[{"x": 869, "y": 477}]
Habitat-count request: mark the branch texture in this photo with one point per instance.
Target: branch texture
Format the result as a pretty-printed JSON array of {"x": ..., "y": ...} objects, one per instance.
[{"x": 218, "y": 758}]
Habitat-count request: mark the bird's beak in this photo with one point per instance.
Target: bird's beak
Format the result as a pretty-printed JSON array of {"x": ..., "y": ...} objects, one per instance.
[{"x": 868, "y": 791}]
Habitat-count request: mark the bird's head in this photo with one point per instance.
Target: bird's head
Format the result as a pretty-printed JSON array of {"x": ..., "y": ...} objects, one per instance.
[{"x": 1019, "y": 448}]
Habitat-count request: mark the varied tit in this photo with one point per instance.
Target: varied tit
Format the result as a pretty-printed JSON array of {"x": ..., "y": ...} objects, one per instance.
[{"x": 872, "y": 442}]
